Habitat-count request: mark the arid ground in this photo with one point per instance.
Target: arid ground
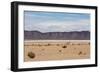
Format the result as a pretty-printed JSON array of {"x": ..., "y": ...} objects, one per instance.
[{"x": 44, "y": 50}]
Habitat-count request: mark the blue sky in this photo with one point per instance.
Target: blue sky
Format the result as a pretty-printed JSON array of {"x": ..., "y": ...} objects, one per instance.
[{"x": 56, "y": 21}]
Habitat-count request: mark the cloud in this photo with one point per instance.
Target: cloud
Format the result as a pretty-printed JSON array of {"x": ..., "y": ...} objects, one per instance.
[
  {"x": 60, "y": 26},
  {"x": 51, "y": 22}
]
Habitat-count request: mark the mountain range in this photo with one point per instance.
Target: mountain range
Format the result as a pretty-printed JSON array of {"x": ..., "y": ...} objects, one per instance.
[{"x": 73, "y": 35}]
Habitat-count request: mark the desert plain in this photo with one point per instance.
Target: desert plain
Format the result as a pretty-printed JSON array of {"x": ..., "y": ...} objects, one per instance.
[{"x": 48, "y": 50}]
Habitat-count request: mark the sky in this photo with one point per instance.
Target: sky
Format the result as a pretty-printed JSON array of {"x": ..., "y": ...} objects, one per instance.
[{"x": 56, "y": 21}]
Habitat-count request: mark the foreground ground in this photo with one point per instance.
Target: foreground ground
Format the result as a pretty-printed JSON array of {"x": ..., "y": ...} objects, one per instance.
[{"x": 56, "y": 50}]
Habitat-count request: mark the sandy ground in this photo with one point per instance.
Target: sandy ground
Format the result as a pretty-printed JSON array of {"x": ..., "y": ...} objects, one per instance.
[{"x": 56, "y": 50}]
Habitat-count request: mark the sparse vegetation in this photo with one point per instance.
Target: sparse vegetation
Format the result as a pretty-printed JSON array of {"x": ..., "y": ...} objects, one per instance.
[
  {"x": 57, "y": 44},
  {"x": 60, "y": 50},
  {"x": 39, "y": 45},
  {"x": 31, "y": 55},
  {"x": 80, "y": 53},
  {"x": 48, "y": 44},
  {"x": 64, "y": 46},
  {"x": 88, "y": 43},
  {"x": 42, "y": 51}
]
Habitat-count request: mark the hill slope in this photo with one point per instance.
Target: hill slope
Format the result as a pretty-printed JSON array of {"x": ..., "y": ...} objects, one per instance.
[{"x": 75, "y": 35}]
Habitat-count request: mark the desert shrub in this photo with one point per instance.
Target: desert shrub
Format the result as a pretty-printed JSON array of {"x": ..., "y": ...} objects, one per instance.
[
  {"x": 64, "y": 46},
  {"x": 60, "y": 50},
  {"x": 89, "y": 43},
  {"x": 57, "y": 44},
  {"x": 48, "y": 44},
  {"x": 80, "y": 53},
  {"x": 39, "y": 45},
  {"x": 42, "y": 49},
  {"x": 31, "y": 54},
  {"x": 32, "y": 44},
  {"x": 78, "y": 44}
]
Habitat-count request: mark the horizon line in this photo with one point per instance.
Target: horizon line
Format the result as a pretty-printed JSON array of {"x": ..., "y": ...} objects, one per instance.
[{"x": 59, "y": 31}]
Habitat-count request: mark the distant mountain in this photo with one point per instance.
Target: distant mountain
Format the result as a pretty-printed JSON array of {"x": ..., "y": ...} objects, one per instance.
[{"x": 75, "y": 35}]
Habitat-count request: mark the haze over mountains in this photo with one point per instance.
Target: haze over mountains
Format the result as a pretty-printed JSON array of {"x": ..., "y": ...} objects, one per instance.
[{"x": 74, "y": 35}]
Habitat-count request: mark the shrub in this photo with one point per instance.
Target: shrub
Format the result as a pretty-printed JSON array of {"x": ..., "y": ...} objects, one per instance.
[
  {"x": 64, "y": 46},
  {"x": 31, "y": 55}
]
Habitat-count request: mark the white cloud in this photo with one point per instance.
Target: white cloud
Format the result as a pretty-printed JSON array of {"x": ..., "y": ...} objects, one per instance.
[{"x": 59, "y": 26}]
